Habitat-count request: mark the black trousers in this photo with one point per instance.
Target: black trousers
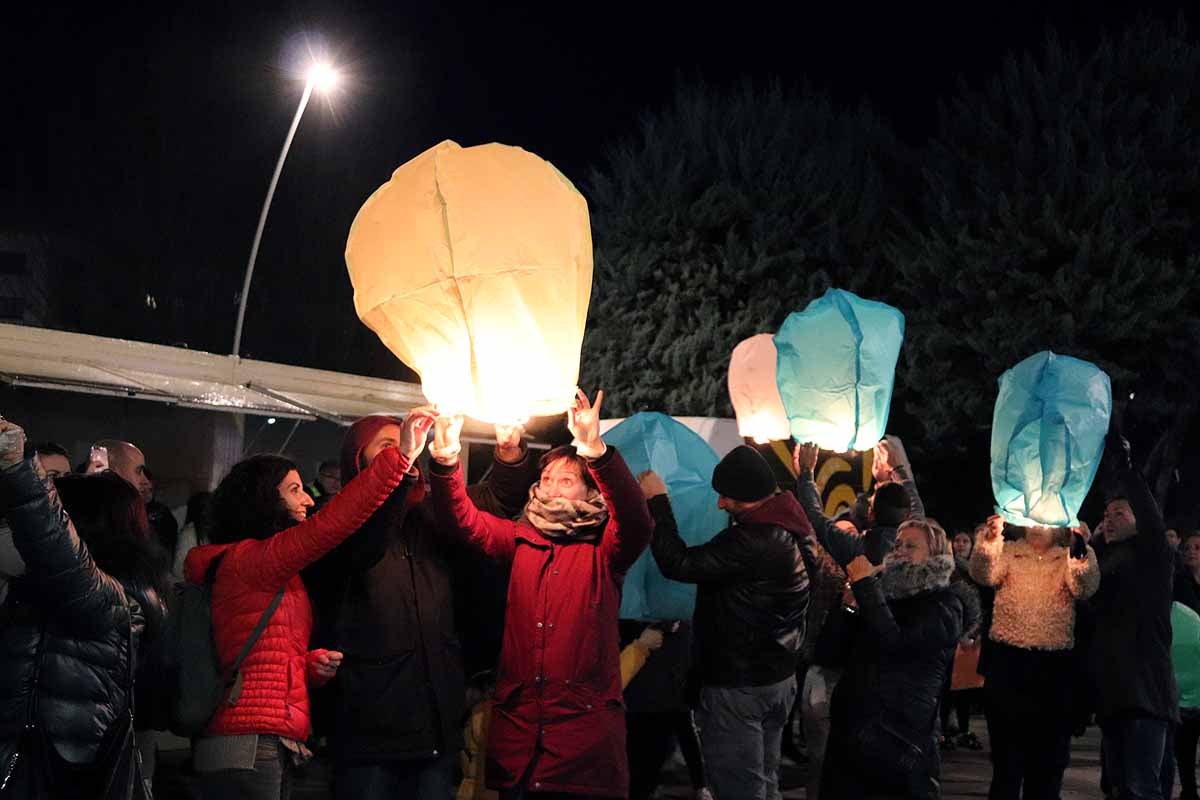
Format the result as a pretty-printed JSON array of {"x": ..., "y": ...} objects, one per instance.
[
  {"x": 650, "y": 740},
  {"x": 1186, "y": 739},
  {"x": 1028, "y": 700}
]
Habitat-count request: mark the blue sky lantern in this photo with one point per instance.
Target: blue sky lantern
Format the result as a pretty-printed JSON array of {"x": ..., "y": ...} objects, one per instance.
[
  {"x": 836, "y": 368},
  {"x": 1048, "y": 434},
  {"x": 649, "y": 440}
]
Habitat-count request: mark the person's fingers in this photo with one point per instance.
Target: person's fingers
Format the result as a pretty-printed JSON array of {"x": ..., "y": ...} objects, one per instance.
[{"x": 599, "y": 402}]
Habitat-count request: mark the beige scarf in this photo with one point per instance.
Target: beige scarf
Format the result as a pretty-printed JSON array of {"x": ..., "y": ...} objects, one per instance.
[{"x": 560, "y": 519}]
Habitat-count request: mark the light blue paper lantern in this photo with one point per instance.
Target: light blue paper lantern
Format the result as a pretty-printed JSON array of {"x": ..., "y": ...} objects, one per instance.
[
  {"x": 1048, "y": 432},
  {"x": 649, "y": 440},
  {"x": 836, "y": 368}
]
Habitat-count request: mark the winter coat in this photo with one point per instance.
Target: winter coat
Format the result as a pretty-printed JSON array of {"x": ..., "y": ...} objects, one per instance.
[
  {"x": 752, "y": 591},
  {"x": 661, "y": 685},
  {"x": 899, "y": 658},
  {"x": 399, "y": 693},
  {"x": 844, "y": 546},
  {"x": 1130, "y": 657},
  {"x": 558, "y": 688},
  {"x": 1036, "y": 591},
  {"x": 79, "y": 613},
  {"x": 968, "y": 592},
  {"x": 279, "y": 669}
]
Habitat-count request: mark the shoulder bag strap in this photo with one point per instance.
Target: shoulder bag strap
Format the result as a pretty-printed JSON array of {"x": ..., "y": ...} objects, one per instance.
[{"x": 234, "y": 675}]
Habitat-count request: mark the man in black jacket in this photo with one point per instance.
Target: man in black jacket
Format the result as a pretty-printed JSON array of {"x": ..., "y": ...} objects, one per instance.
[
  {"x": 1137, "y": 700},
  {"x": 749, "y": 621},
  {"x": 388, "y": 598}
]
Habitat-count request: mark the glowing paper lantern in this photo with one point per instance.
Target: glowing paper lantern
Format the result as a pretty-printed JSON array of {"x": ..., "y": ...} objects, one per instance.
[
  {"x": 1048, "y": 434},
  {"x": 649, "y": 440},
  {"x": 753, "y": 391},
  {"x": 836, "y": 366},
  {"x": 474, "y": 266}
]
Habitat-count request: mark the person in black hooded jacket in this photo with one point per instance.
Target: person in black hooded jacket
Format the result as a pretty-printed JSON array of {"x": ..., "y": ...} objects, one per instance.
[
  {"x": 900, "y": 647},
  {"x": 88, "y": 594},
  {"x": 394, "y": 598}
]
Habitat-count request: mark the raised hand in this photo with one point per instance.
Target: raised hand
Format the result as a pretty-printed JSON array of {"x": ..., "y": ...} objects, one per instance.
[
  {"x": 804, "y": 457},
  {"x": 508, "y": 443},
  {"x": 583, "y": 420},
  {"x": 415, "y": 431},
  {"x": 652, "y": 485},
  {"x": 994, "y": 528},
  {"x": 446, "y": 439},
  {"x": 861, "y": 568},
  {"x": 12, "y": 444}
]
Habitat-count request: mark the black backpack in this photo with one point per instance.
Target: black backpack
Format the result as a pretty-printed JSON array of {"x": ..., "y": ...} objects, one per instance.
[{"x": 197, "y": 686}]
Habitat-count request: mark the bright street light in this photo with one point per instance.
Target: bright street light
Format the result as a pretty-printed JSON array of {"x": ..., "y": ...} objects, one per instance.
[{"x": 321, "y": 77}]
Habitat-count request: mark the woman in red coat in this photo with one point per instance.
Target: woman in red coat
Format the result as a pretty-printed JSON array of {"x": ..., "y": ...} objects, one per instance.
[
  {"x": 262, "y": 539},
  {"x": 558, "y": 722}
]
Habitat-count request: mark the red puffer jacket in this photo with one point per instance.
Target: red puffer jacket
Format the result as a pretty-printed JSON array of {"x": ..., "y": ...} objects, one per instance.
[{"x": 277, "y": 672}]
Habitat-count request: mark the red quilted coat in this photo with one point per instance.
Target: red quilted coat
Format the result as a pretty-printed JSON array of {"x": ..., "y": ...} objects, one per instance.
[
  {"x": 558, "y": 703},
  {"x": 278, "y": 671}
]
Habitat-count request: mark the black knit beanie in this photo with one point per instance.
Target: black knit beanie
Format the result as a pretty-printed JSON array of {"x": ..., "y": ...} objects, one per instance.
[{"x": 745, "y": 475}]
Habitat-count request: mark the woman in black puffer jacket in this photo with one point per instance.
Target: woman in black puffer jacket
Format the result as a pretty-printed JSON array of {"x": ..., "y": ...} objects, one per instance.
[
  {"x": 899, "y": 647},
  {"x": 89, "y": 574}
]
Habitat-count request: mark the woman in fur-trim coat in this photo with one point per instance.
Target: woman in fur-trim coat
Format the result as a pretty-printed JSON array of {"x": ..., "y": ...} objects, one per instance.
[
  {"x": 1030, "y": 670},
  {"x": 901, "y": 642}
]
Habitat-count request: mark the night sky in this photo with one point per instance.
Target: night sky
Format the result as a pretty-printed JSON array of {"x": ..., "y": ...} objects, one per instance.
[{"x": 141, "y": 138}]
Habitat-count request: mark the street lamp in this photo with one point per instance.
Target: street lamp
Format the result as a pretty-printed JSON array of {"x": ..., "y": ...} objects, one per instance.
[{"x": 322, "y": 77}]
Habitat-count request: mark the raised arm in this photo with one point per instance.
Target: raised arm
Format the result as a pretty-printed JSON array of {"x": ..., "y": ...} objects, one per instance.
[
  {"x": 505, "y": 489},
  {"x": 1082, "y": 577},
  {"x": 988, "y": 566},
  {"x": 629, "y": 523},
  {"x": 842, "y": 545},
  {"x": 274, "y": 561},
  {"x": 57, "y": 562},
  {"x": 944, "y": 629},
  {"x": 891, "y": 464}
]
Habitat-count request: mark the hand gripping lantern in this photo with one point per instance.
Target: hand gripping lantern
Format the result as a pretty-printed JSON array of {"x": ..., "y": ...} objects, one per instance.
[{"x": 474, "y": 266}]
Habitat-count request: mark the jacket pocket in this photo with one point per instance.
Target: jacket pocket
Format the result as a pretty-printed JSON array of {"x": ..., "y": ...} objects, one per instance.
[{"x": 384, "y": 695}]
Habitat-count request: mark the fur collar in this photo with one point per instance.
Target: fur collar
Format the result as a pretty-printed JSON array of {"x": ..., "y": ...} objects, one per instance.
[{"x": 901, "y": 578}]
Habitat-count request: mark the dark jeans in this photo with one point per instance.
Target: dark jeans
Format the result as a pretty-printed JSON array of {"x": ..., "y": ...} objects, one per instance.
[
  {"x": 741, "y": 730},
  {"x": 1030, "y": 748},
  {"x": 650, "y": 739},
  {"x": 1186, "y": 739},
  {"x": 1138, "y": 757},
  {"x": 270, "y": 779},
  {"x": 426, "y": 779}
]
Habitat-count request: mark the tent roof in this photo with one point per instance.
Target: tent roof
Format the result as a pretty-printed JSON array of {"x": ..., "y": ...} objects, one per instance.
[{"x": 74, "y": 362}]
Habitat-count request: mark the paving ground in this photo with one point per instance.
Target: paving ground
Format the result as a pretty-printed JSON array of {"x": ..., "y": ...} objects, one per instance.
[{"x": 965, "y": 775}]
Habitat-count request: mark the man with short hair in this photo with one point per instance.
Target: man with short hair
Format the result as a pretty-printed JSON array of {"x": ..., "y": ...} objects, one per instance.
[
  {"x": 751, "y": 602},
  {"x": 55, "y": 459},
  {"x": 327, "y": 483},
  {"x": 128, "y": 461},
  {"x": 1130, "y": 658}
]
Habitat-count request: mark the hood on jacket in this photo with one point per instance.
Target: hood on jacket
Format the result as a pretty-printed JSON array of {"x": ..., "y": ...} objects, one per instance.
[
  {"x": 200, "y": 559},
  {"x": 782, "y": 510},
  {"x": 355, "y": 441}
]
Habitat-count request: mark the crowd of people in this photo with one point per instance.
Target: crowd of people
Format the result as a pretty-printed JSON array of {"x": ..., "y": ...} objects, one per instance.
[{"x": 436, "y": 639}]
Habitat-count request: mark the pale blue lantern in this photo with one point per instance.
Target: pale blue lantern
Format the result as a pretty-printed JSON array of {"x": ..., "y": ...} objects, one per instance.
[
  {"x": 1048, "y": 432},
  {"x": 649, "y": 440},
  {"x": 836, "y": 368}
]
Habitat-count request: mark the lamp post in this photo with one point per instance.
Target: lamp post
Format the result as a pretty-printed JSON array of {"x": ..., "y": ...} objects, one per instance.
[{"x": 321, "y": 77}]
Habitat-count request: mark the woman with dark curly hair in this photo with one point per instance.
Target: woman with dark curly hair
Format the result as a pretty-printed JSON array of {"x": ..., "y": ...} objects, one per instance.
[
  {"x": 75, "y": 625},
  {"x": 261, "y": 538}
]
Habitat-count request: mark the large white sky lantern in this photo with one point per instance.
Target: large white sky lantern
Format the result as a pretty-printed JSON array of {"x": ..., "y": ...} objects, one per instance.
[
  {"x": 754, "y": 393},
  {"x": 836, "y": 367},
  {"x": 474, "y": 266}
]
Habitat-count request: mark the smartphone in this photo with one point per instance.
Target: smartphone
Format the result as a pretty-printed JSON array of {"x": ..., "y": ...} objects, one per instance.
[{"x": 97, "y": 459}]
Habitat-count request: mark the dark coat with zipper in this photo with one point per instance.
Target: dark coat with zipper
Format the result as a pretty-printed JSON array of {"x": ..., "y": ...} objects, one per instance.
[
  {"x": 81, "y": 617},
  {"x": 389, "y": 596},
  {"x": 899, "y": 654},
  {"x": 752, "y": 591}
]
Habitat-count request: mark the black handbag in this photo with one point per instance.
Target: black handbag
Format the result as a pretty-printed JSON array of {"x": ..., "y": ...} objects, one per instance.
[{"x": 36, "y": 771}]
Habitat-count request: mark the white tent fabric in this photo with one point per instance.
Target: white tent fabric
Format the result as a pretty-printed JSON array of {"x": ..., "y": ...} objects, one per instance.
[{"x": 73, "y": 362}]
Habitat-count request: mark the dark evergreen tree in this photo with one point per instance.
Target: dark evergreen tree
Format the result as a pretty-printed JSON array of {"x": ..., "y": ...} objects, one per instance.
[
  {"x": 1059, "y": 212},
  {"x": 729, "y": 210}
]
